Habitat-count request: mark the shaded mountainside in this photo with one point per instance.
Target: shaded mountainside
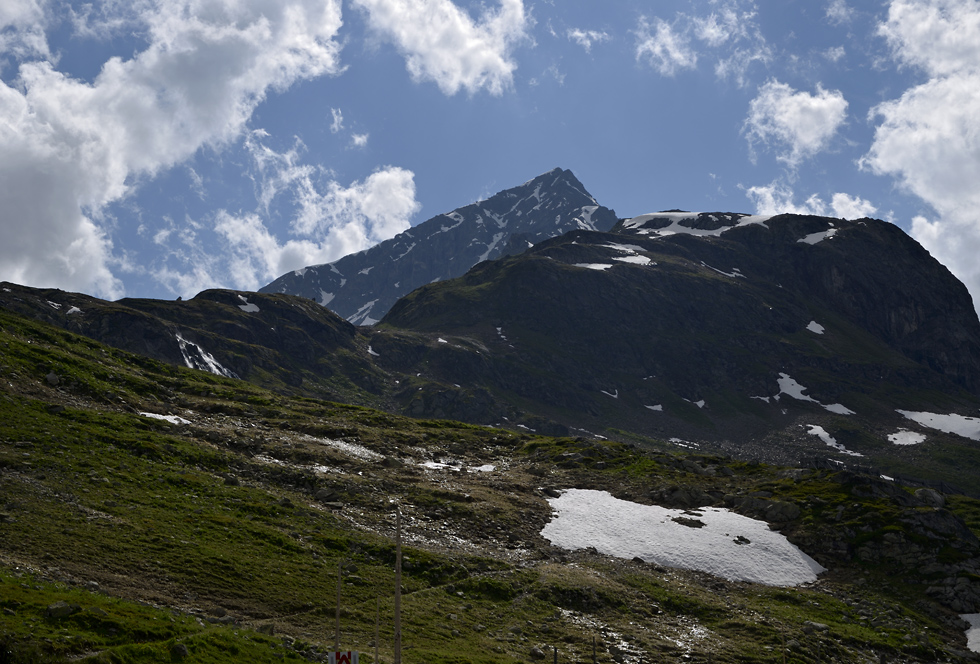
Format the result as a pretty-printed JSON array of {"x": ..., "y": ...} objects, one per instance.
[
  {"x": 362, "y": 287},
  {"x": 722, "y": 329},
  {"x": 277, "y": 341},
  {"x": 792, "y": 340},
  {"x": 194, "y": 517}
]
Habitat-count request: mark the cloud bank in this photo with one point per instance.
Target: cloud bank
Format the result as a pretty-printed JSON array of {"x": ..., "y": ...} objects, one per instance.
[{"x": 71, "y": 147}]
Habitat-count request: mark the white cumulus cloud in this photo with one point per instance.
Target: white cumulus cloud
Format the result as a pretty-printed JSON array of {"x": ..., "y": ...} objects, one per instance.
[
  {"x": 929, "y": 138},
  {"x": 797, "y": 123},
  {"x": 778, "y": 198},
  {"x": 443, "y": 44},
  {"x": 22, "y": 24},
  {"x": 71, "y": 147}
]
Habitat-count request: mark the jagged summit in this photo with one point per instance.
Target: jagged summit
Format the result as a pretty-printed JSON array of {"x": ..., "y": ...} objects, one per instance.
[{"x": 362, "y": 287}]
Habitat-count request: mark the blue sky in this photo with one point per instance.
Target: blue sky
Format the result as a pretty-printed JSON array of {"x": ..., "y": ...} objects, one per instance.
[{"x": 155, "y": 148}]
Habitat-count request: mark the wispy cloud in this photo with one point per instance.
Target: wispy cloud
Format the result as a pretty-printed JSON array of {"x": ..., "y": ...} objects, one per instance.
[
  {"x": 586, "y": 38},
  {"x": 729, "y": 36}
]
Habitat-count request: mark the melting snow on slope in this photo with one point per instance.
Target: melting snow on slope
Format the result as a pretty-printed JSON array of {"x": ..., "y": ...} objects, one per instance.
[
  {"x": 435, "y": 465},
  {"x": 822, "y": 434},
  {"x": 906, "y": 437},
  {"x": 729, "y": 545},
  {"x": 658, "y": 408},
  {"x": 362, "y": 315},
  {"x": 635, "y": 260},
  {"x": 814, "y": 238},
  {"x": 594, "y": 266},
  {"x": 973, "y": 633},
  {"x": 173, "y": 419},
  {"x": 735, "y": 273},
  {"x": 247, "y": 307},
  {"x": 815, "y": 327},
  {"x": 196, "y": 357},
  {"x": 790, "y": 387},
  {"x": 676, "y": 227},
  {"x": 968, "y": 427}
]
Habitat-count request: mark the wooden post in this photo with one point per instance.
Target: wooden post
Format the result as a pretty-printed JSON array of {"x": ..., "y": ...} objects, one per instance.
[
  {"x": 336, "y": 640},
  {"x": 398, "y": 586},
  {"x": 377, "y": 629}
]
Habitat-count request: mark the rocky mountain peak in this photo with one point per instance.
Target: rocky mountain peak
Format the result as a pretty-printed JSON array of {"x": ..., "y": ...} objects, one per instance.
[{"x": 362, "y": 287}]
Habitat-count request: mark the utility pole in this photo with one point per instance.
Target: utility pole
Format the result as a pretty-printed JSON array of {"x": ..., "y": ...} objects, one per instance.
[
  {"x": 398, "y": 586},
  {"x": 336, "y": 641}
]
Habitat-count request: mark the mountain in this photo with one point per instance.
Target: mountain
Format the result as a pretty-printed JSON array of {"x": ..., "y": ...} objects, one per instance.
[
  {"x": 280, "y": 342},
  {"x": 793, "y": 339},
  {"x": 362, "y": 287},
  {"x": 782, "y": 338}
]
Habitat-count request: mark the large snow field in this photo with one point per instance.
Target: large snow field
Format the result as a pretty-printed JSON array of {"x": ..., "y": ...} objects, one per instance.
[
  {"x": 728, "y": 545},
  {"x": 968, "y": 427}
]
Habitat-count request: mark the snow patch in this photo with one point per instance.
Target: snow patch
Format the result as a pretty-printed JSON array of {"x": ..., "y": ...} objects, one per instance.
[
  {"x": 173, "y": 419},
  {"x": 325, "y": 298},
  {"x": 635, "y": 260},
  {"x": 372, "y": 352},
  {"x": 610, "y": 394},
  {"x": 435, "y": 465},
  {"x": 658, "y": 408},
  {"x": 814, "y": 238},
  {"x": 490, "y": 247},
  {"x": 676, "y": 227},
  {"x": 815, "y": 327},
  {"x": 442, "y": 341},
  {"x": 734, "y": 274},
  {"x": 829, "y": 440},
  {"x": 906, "y": 437},
  {"x": 361, "y": 316},
  {"x": 729, "y": 545},
  {"x": 594, "y": 266},
  {"x": 410, "y": 247},
  {"x": 973, "y": 631},
  {"x": 196, "y": 357},
  {"x": 300, "y": 272},
  {"x": 968, "y": 427},
  {"x": 367, "y": 270},
  {"x": 73, "y": 310},
  {"x": 248, "y": 307},
  {"x": 791, "y": 388}
]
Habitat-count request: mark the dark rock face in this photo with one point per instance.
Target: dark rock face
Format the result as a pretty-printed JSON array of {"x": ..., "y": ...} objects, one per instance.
[{"x": 362, "y": 287}]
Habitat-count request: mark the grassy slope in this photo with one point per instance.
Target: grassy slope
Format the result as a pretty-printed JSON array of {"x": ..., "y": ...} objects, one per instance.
[{"x": 181, "y": 525}]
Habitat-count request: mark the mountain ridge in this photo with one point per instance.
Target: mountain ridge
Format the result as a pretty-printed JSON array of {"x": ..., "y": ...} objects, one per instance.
[{"x": 361, "y": 287}]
